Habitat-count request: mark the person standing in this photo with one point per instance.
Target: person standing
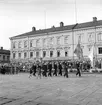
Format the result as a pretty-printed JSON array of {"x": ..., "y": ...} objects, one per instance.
[
  {"x": 44, "y": 69},
  {"x": 55, "y": 69},
  {"x": 78, "y": 69},
  {"x": 31, "y": 72},
  {"x": 50, "y": 69},
  {"x": 2, "y": 70},
  {"x": 60, "y": 69},
  {"x": 65, "y": 70},
  {"x": 34, "y": 69},
  {"x": 39, "y": 67}
]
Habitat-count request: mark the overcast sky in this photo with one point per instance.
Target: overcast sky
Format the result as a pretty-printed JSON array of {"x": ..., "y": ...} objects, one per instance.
[{"x": 19, "y": 16}]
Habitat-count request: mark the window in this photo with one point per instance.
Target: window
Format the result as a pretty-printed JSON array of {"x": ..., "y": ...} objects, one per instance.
[
  {"x": 44, "y": 53},
  {"x": 25, "y": 55},
  {"x": 31, "y": 54},
  {"x": 37, "y": 43},
  {"x": 19, "y": 44},
  {"x": 31, "y": 43},
  {"x": 51, "y": 53},
  {"x": 58, "y": 41},
  {"x": 37, "y": 54},
  {"x": 79, "y": 38},
  {"x": 91, "y": 36},
  {"x": 99, "y": 36},
  {"x": 66, "y": 40},
  {"x": 58, "y": 53},
  {"x": 8, "y": 58},
  {"x": 25, "y": 44},
  {"x": 3, "y": 57},
  {"x": 51, "y": 41},
  {"x": 19, "y": 55},
  {"x": 66, "y": 53},
  {"x": 100, "y": 50},
  {"x": 44, "y": 42},
  {"x": 14, "y": 44},
  {"x": 14, "y": 55}
]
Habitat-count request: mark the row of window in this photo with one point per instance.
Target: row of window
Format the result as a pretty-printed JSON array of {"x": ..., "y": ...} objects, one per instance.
[
  {"x": 45, "y": 54},
  {"x": 50, "y": 41},
  {"x": 4, "y": 57},
  {"x": 38, "y": 54},
  {"x": 46, "y": 42},
  {"x": 92, "y": 34}
]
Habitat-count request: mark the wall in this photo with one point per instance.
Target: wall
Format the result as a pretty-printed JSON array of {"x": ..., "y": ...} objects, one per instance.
[{"x": 86, "y": 42}]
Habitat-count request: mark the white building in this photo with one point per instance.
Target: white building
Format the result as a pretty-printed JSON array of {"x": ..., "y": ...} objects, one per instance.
[{"x": 57, "y": 43}]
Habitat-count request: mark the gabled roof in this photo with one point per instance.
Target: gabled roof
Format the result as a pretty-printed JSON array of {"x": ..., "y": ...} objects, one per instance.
[{"x": 63, "y": 28}]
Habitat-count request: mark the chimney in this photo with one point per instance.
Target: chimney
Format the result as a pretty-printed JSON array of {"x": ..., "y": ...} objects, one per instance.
[
  {"x": 61, "y": 24},
  {"x": 94, "y": 19},
  {"x": 53, "y": 27},
  {"x": 33, "y": 29},
  {"x": 1, "y": 48}
]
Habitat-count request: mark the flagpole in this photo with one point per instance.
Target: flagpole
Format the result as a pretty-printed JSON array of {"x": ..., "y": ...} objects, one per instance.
[
  {"x": 75, "y": 12},
  {"x": 45, "y": 18},
  {"x": 75, "y": 7},
  {"x": 95, "y": 48}
]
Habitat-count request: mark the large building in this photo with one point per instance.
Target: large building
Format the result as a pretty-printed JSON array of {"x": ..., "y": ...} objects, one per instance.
[
  {"x": 4, "y": 56},
  {"x": 58, "y": 43}
]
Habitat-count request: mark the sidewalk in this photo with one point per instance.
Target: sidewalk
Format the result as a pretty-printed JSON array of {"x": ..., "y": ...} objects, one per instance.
[{"x": 20, "y": 90}]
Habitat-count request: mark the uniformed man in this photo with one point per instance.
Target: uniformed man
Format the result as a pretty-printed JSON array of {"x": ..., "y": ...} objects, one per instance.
[
  {"x": 50, "y": 69},
  {"x": 60, "y": 69},
  {"x": 44, "y": 67},
  {"x": 65, "y": 70},
  {"x": 55, "y": 69},
  {"x": 78, "y": 68},
  {"x": 34, "y": 69}
]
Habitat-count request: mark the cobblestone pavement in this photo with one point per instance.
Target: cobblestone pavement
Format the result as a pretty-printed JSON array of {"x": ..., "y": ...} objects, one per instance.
[{"x": 20, "y": 90}]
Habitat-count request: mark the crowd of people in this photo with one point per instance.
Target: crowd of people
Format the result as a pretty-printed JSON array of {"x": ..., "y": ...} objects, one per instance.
[
  {"x": 47, "y": 68},
  {"x": 57, "y": 68},
  {"x": 9, "y": 69}
]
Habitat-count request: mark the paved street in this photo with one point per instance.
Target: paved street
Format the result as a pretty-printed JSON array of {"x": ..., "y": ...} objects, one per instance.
[{"x": 18, "y": 89}]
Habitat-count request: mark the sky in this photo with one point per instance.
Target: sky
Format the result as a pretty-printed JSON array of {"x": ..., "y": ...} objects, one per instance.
[{"x": 19, "y": 16}]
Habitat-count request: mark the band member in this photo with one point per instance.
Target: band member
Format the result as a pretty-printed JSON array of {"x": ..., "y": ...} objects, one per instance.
[
  {"x": 34, "y": 69},
  {"x": 60, "y": 69},
  {"x": 31, "y": 72},
  {"x": 65, "y": 70},
  {"x": 50, "y": 69},
  {"x": 78, "y": 68},
  {"x": 44, "y": 67},
  {"x": 39, "y": 67},
  {"x": 55, "y": 69}
]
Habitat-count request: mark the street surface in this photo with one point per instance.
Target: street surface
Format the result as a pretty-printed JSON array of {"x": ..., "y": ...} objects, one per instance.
[{"x": 19, "y": 89}]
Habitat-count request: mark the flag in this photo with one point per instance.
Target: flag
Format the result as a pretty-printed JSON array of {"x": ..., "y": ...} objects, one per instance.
[
  {"x": 78, "y": 50},
  {"x": 91, "y": 54}
]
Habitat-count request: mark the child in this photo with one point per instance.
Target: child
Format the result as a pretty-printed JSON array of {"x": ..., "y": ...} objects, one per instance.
[{"x": 31, "y": 72}]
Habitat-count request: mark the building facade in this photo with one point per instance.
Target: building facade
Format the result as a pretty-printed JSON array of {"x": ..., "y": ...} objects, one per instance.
[
  {"x": 4, "y": 56},
  {"x": 58, "y": 43}
]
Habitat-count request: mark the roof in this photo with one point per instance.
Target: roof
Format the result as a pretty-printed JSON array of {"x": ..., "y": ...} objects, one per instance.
[
  {"x": 2, "y": 51},
  {"x": 62, "y": 28},
  {"x": 89, "y": 24},
  {"x": 53, "y": 29}
]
